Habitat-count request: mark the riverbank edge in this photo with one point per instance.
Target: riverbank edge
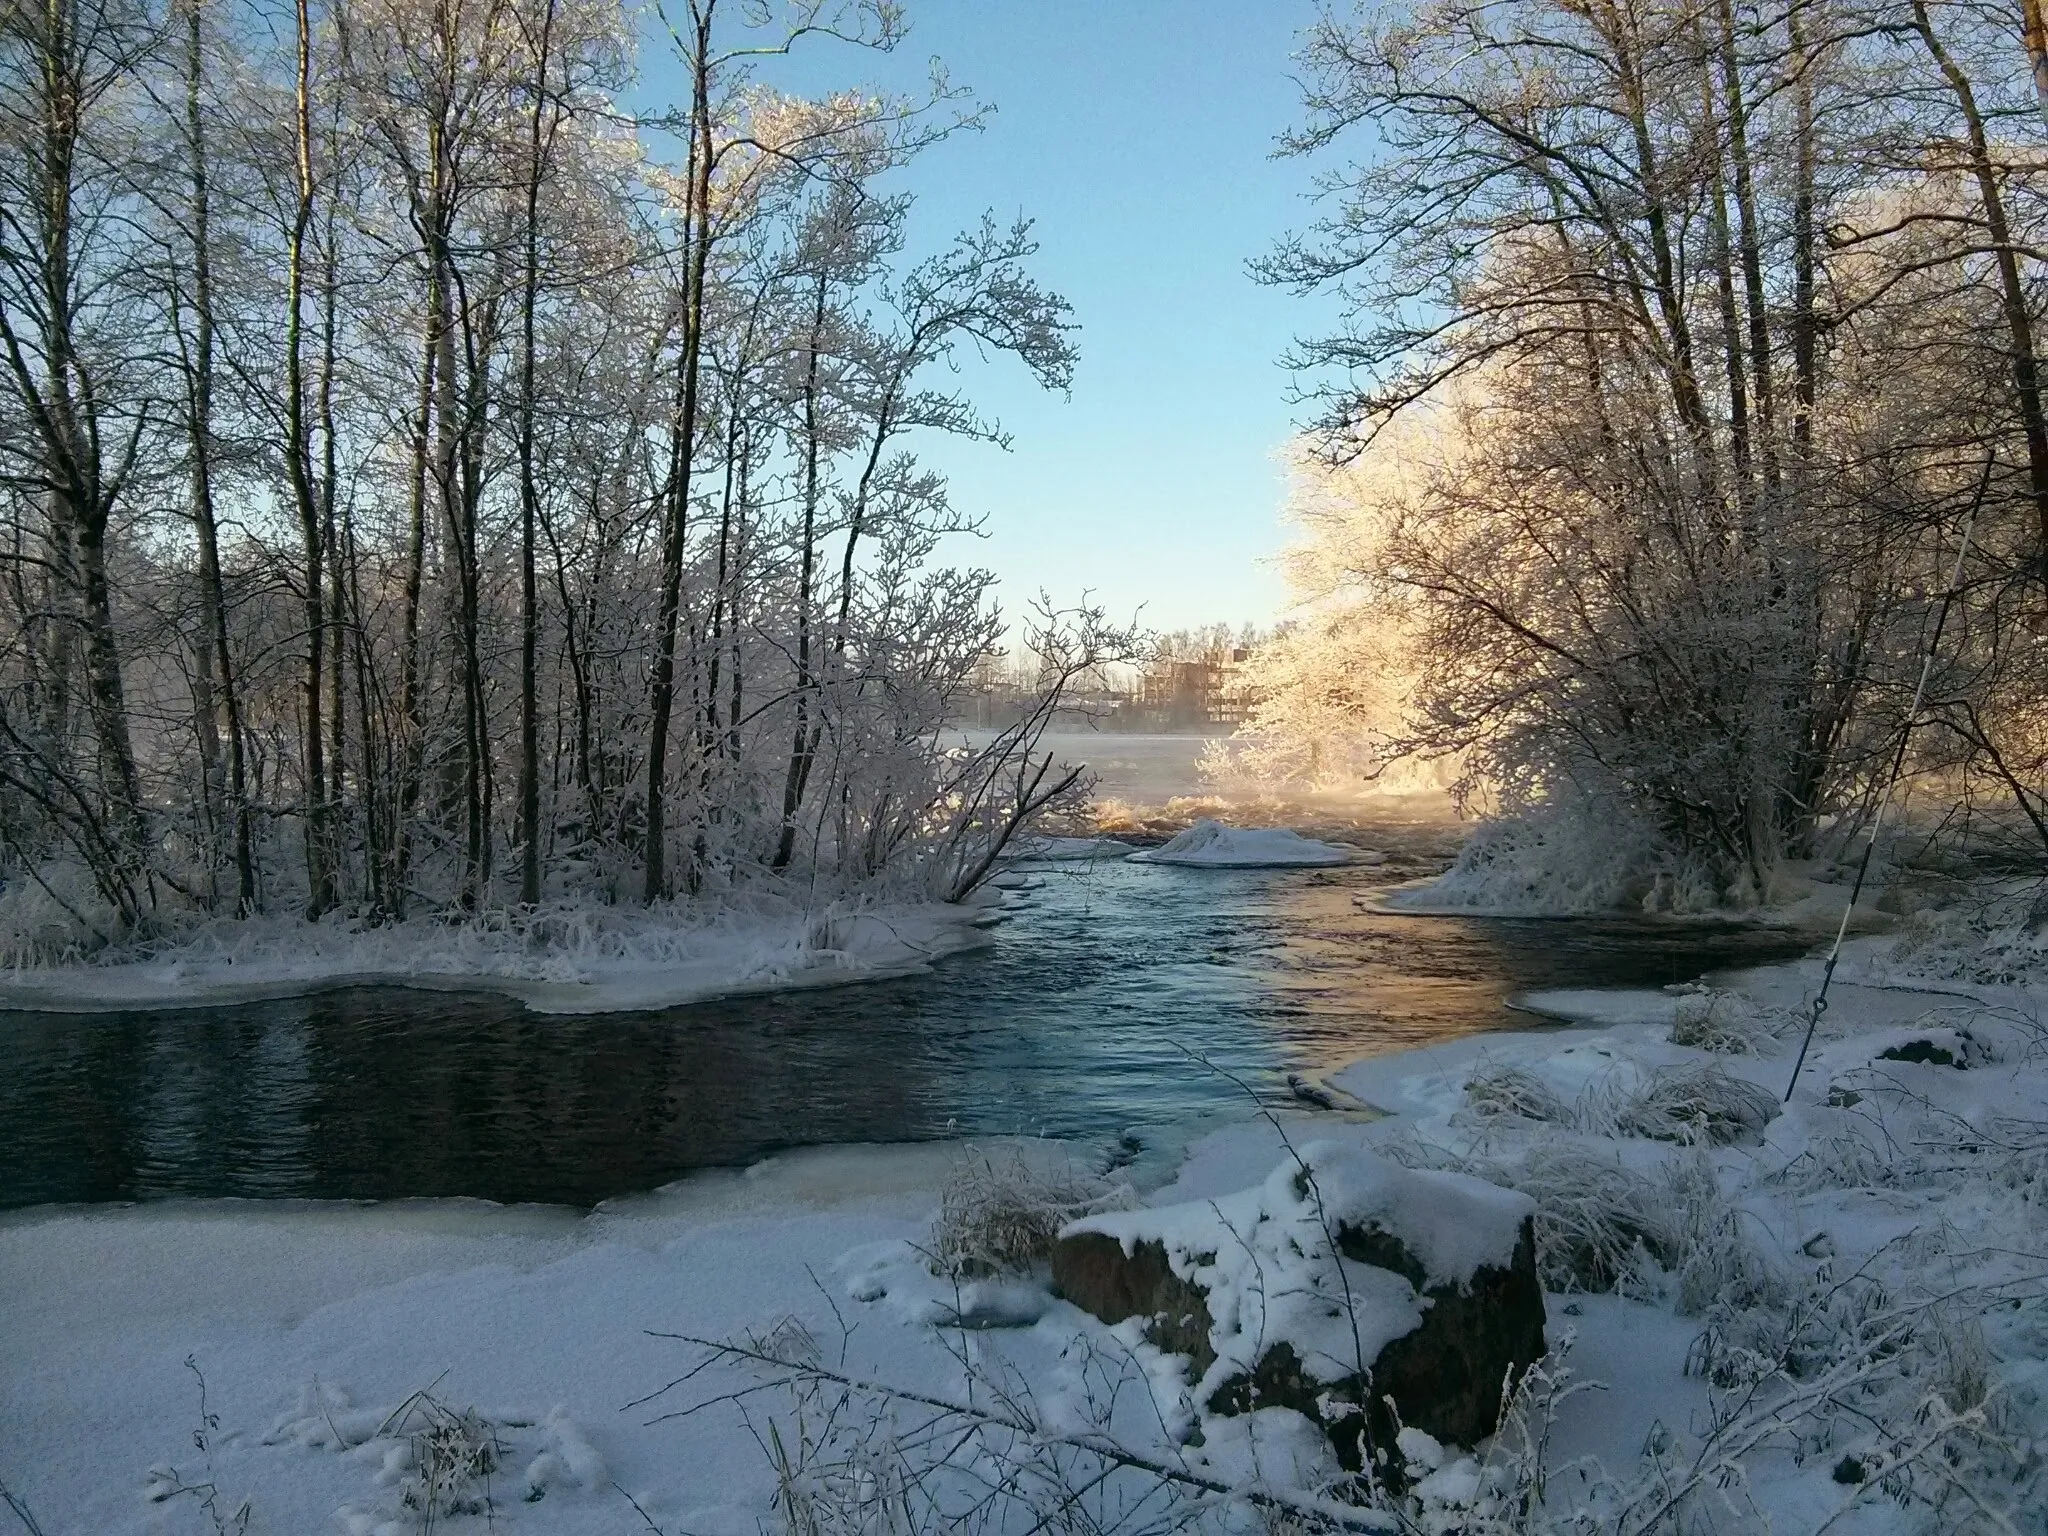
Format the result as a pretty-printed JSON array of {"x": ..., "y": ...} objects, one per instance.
[{"x": 555, "y": 961}]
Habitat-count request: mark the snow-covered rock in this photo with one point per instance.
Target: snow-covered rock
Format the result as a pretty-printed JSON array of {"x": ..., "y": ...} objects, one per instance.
[
  {"x": 1341, "y": 1281},
  {"x": 1211, "y": 844}
]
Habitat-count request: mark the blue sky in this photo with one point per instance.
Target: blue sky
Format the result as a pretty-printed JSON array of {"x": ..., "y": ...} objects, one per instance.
[{"x": 1137, "y": 134}]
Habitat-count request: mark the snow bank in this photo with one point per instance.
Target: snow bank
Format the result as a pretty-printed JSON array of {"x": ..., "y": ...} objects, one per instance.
[
  {"x": 556, "y": 960},
  {"x": 330, "y": 1337},
  {"x": 1866, "y": 1232},
  {"x": 1210, "y": 844}
]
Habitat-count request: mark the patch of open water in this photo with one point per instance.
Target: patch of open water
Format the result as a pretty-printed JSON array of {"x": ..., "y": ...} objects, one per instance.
[{"x": 1114, "y": 993}]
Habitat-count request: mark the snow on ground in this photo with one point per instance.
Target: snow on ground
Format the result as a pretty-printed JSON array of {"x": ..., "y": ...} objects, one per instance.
[
  {"x": 1210, "y": 844},
  {"x": 557, "y": 960},
  {"x": 1895, "y": 1204},
  {"x": 314, "y": 1324},
  {"x": 1829, "y": 1311}
]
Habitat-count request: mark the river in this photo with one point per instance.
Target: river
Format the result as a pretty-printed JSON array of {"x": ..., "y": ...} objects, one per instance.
[{"x": 1120, "y": 1005}]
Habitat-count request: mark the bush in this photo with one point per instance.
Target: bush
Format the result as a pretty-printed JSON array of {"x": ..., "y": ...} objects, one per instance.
[
  {"x": 1563, "y": 857},
  {"x": 1596, "y": 1221}
]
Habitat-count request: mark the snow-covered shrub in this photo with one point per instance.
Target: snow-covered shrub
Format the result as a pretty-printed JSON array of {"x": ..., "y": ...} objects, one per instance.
[
  {"x": 1698, "y": 1103},
  {"x": 1497, "y": 1089},
  {"x": 1712, "y": 1261},
  {"x": 1958, "y": 1364},
  {"x": 1725, "y": 1023},
  {"x": 1848, "y": 1156},
  {"x": 52, "y": 914},
  {"x": 1997, "y": 939},
  {"x": 1569, "y": 856},
  {"x": 1596, "y": 1221},
  {"x": 449, "y": 1457},
  {"x": 1499, "y": 1491},
  {"x": 855, "y": 1457},
  {"x": 1873, "y": 1403},
  {"x": 1001, "y": 1217},
  {"x": 2021, "y": 1164}
]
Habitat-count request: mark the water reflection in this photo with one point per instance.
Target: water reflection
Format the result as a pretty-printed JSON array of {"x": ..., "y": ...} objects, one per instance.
[{"x": 1083, "y": 1021}]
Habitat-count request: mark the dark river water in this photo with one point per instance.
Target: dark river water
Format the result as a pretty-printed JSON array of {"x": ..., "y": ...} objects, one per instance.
[{"x": 1113, "y": 992}]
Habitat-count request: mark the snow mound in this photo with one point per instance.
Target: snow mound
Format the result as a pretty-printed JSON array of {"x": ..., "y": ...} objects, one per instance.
[{"x": 1210, "y": 844}]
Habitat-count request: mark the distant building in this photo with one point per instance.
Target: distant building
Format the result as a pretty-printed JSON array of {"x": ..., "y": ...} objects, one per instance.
[
  {"x": 1212, "y": 694},
  {"x": 1184, "y": 694}
]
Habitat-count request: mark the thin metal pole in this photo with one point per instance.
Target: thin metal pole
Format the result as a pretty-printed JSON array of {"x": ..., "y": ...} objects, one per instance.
[{"x": 1948, "y": 598}]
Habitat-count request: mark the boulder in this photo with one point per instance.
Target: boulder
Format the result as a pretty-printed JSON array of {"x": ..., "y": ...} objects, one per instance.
[{"x": 1342, "y": 1281}]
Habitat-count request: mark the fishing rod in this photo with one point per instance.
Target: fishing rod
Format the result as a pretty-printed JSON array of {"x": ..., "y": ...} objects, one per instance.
[{"x": 1948, "y": 599}]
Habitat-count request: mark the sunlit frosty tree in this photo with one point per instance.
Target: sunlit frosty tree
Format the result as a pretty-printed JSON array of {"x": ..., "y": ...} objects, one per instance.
[{"x": 1722, "y": 311}]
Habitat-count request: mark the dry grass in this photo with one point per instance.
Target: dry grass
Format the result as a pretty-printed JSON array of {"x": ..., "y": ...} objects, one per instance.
[
  {"x": 1698, "y": 1104},
  {"x": 1725, "y": 1023},
  {"x": 1496, "y": 1090},
  {"x": 447, "y": 1456},
  {"x": 1000, "y": 1216}
]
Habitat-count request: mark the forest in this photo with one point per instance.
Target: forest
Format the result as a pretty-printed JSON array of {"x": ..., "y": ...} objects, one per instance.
[{"x": 442, "y": 474}]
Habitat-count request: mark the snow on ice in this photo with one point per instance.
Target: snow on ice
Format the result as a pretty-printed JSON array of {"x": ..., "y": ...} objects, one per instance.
[
  {"x": 584, "y": 959},
  {"x": 1210, "y": 844}
]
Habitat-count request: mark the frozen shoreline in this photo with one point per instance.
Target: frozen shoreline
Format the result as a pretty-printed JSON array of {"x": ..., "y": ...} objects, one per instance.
[
  {"x": 1816, "y": 908},
  {"x": 303, "y": 1315},
  {"x": 564, "y": 960}
]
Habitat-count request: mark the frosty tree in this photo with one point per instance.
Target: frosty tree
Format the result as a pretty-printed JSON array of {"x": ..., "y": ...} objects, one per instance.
[
  {"x": 1718, "y": 312},
  {"x": 428, "y": 483}
]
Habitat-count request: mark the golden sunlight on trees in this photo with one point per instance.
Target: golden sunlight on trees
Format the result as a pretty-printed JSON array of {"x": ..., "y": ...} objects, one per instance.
[{"x": 1723, "y": 318}]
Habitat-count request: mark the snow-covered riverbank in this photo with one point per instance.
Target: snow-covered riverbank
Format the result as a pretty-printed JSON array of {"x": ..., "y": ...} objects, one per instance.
[
  {"x": 585, "y": 959},
  {"x": 1790, "y": 1314}
]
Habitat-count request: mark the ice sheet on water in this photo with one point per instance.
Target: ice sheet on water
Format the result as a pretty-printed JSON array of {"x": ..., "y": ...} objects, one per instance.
[
  {"x": 563, "y": 959},
  {"x": 1061, "y": 850}
]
